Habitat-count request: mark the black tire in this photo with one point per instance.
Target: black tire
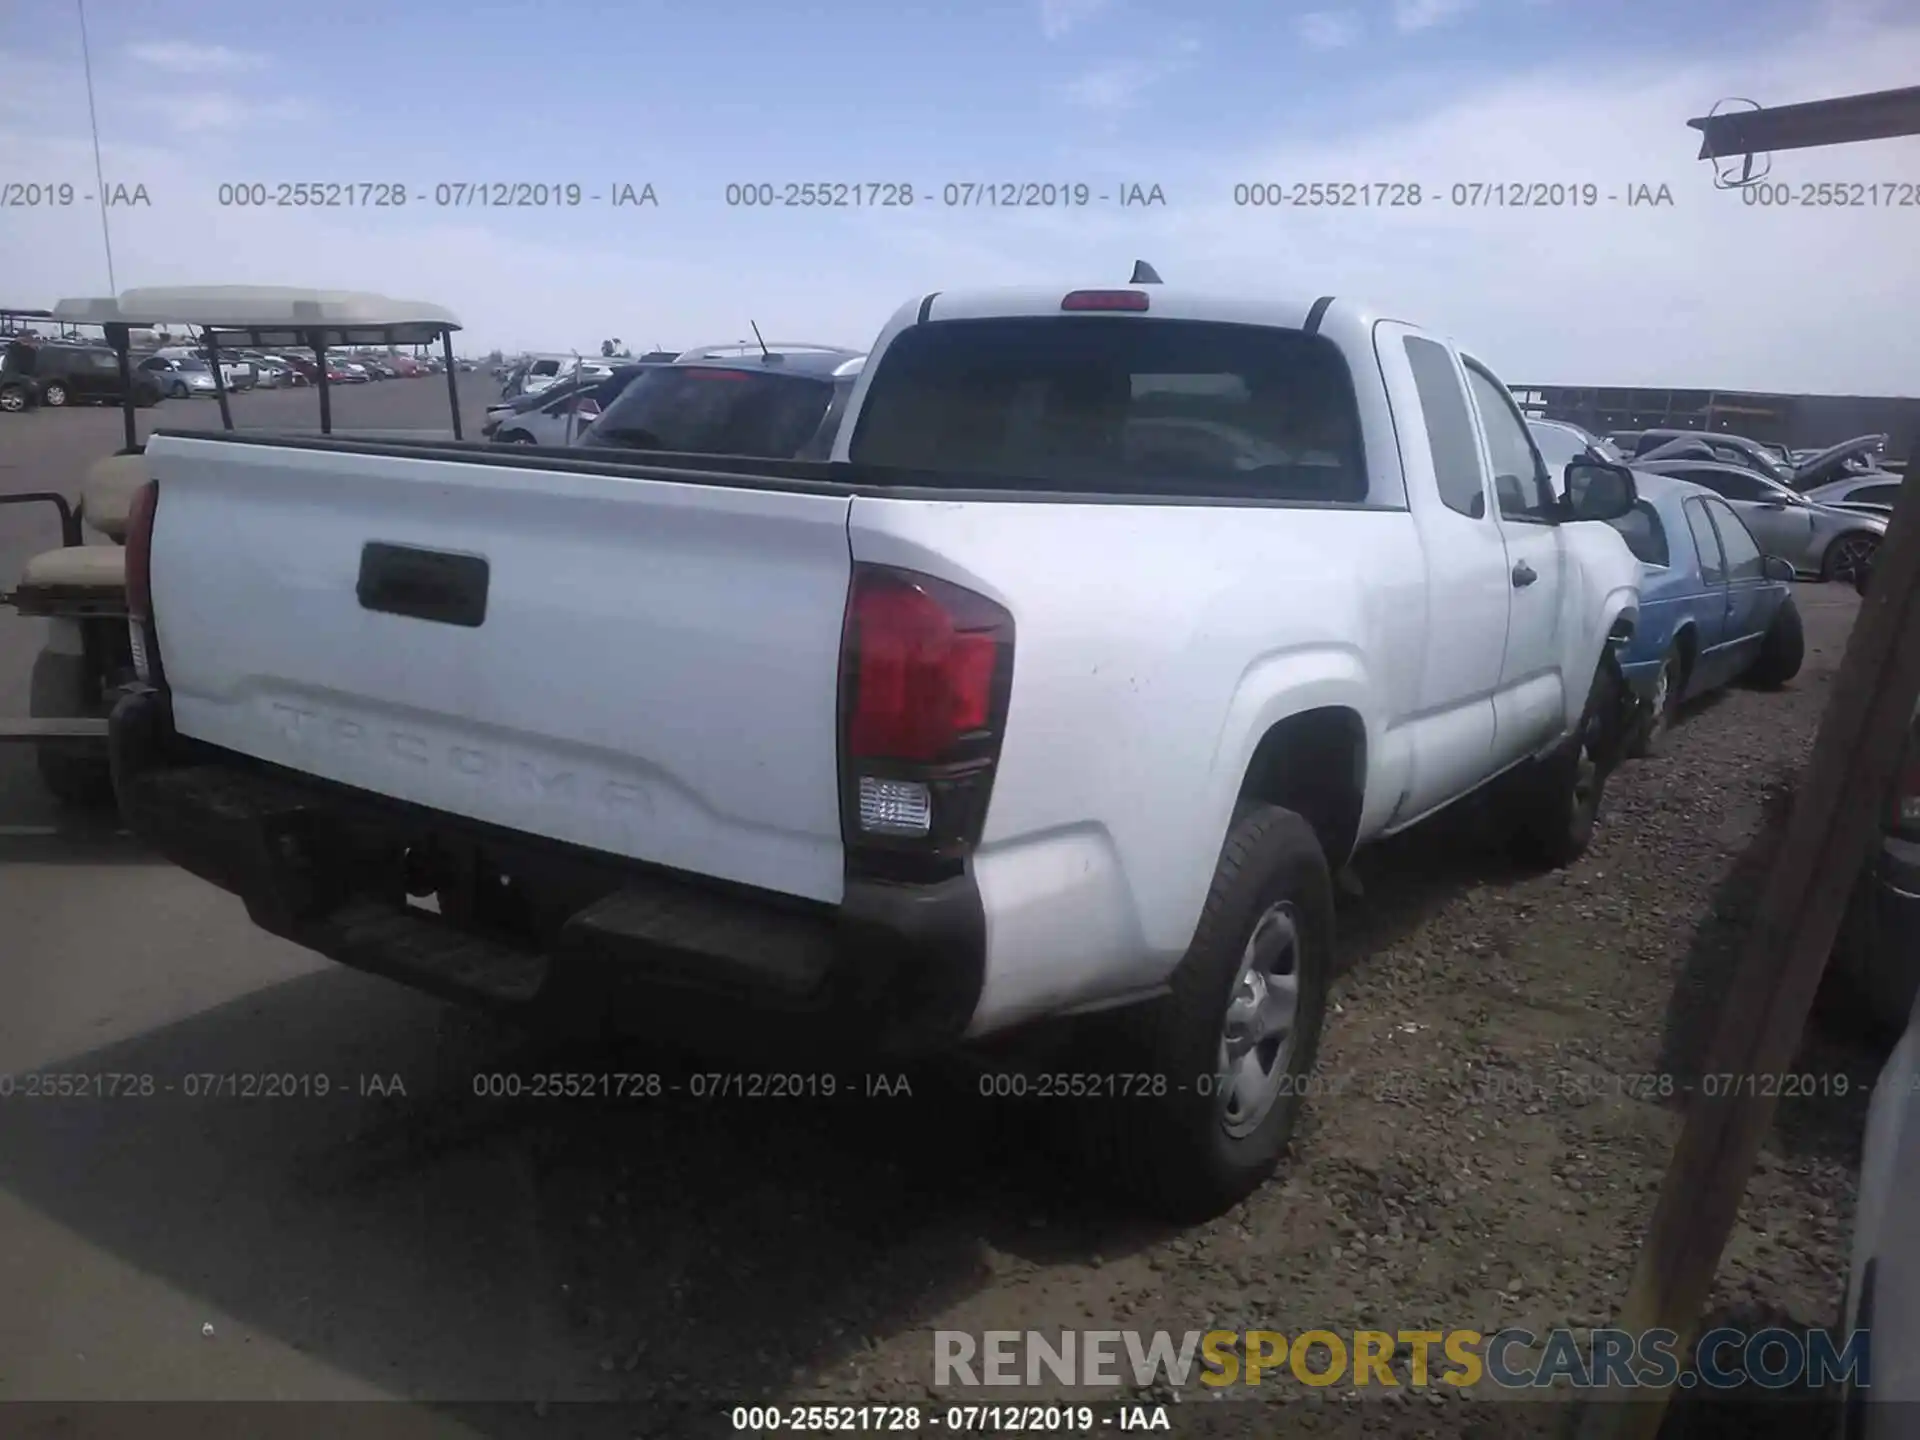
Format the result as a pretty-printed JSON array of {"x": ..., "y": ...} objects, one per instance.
[
  {"x": 14, "y": 399},
  {"x": 1179, "y": 1152},
  {"x": 1552, "y": 804},
  {"x": 1782, "y": 651},
  {"x": 178, "y": 392},
  {"x": 1651, "y": 733},
  {"x": 76, "y": 775},
  {"x": 1848, "y": 554},
  {"x": 53, "y": 394},
  {"x": 517, "y": 437}
]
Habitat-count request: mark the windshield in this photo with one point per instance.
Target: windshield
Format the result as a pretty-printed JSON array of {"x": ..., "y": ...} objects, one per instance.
[
  {"x": 709, "y": 410},
  {"x": 1559, "y": 444},
  {"x": 545, "y": 367},
  {"x": 1112, "y": 403}
]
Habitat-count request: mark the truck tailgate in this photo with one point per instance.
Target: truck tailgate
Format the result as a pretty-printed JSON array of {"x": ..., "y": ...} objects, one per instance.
[{"x": 654, "y": 673}]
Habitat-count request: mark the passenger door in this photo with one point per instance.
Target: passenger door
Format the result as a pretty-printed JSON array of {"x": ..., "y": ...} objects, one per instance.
[
  {"x": 1468, "y": 594},
  {"x": 1709, "y": 666},
  {"x": 1748, "y": 610},
  {"x": 1530, "y": 705}
]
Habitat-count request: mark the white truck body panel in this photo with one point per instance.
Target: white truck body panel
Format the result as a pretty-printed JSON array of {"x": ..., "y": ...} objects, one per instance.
[{"x": 655, "y": 679}]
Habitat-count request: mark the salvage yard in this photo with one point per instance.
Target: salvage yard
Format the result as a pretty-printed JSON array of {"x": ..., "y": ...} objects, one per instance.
[{"x": 1497, "y": 1092}]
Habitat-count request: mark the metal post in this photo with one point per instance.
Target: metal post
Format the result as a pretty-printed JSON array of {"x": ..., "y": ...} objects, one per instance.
[
  {"x": 453, "y": 380},
  {"x": 121, "y": 338},
  {"x": 219, "y": 380},
  {"x": 318, "y": 341}
]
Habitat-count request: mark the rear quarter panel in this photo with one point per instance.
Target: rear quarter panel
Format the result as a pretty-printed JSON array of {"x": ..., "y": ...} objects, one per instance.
[{"x": 1154, "y": 644}]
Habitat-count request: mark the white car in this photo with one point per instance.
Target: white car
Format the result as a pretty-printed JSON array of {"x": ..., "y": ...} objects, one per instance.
[{"x": 991, "y": 718}]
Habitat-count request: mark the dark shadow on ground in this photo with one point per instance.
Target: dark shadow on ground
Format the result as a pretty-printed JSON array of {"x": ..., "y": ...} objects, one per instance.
[
  {"x": 678, "y": 1254},
  {"x": 1823, "y": 1118}
]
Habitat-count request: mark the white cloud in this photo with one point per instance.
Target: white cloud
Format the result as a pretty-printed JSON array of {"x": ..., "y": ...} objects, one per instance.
[
  {"x": 1329, "y": 29},
  {"x": 1707, "y": 292},
  {"x": 1412, "y": 15},
  {"x": 1111, "y": 87},
  {"x": 1057, "y": 17},
  {"x": 210, "y": 112},
  {"x": 182, "y": 57}
]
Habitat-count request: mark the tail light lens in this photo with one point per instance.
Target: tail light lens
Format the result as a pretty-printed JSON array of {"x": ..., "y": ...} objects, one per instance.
[
  {"x": 140, "y": 628},
  {"x": 925, "y": 675}
]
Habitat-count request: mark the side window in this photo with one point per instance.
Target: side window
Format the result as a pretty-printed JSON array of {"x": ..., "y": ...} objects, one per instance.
[
  {"x": 1730, "y": 484},
  {"x": 1875, "y": 495},
  {"x": 1713, "y": 569},
  {"x": 1743, "y": 556},
  {"x": 1646, "y": 537},
  {"x": 1456, "y": 456},
  {"x": 1521, "y": 484}
]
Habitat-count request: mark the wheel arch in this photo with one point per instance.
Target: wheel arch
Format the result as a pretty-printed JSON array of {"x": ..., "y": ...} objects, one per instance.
[{"x": 1314, "y": 763}]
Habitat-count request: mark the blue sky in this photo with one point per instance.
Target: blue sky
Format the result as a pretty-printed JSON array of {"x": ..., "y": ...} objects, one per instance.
[{"x": 1193, "y": 98}]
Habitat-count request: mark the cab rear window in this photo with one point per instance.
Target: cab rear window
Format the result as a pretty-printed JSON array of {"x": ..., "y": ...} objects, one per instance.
[{"x": 1115, "y": 404}]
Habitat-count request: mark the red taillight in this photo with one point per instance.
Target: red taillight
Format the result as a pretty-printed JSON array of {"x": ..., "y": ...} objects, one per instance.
[
  {"x": 1105, "y": 300},
  {"x": 146, "y": 501},
  {"x": 926, "y": 672},
  {"x": 922, "y": 682}
]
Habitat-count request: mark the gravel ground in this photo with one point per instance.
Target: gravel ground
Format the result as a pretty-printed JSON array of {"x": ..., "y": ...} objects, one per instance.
[{"x": 1491, "y": 1133}]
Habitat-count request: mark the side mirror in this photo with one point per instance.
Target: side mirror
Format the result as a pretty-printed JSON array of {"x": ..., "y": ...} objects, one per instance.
[
  {"x": 1776, "y": 569},
  {"x": 1599, "y": 490}
]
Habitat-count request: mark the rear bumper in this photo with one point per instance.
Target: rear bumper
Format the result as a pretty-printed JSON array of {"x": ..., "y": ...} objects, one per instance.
[{"x": 609, "y": 943}]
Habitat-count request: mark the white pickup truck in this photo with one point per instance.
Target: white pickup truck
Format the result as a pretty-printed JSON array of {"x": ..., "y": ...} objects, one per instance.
[{"x": 1116, "y": 621}]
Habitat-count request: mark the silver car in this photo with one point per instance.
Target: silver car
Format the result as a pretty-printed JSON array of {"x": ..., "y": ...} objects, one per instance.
[
  {"x": 180, "y": 379},
  {"x": 1878, "y": 489},
  {"x": 573, "y": 406},
  {"x": 1821, "y": 540}
]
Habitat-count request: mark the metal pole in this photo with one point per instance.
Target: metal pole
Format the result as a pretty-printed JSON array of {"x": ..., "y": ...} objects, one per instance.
[
  {"x": 320, "y": 378},
  {"x": 99, "y": 172},
  {"x": 219, "y": 380},
  {"x": 453, "y": 380},
  {"x": 121, "y": 338}
]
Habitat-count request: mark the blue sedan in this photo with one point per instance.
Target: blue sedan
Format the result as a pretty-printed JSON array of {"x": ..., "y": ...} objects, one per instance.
[{"x": 1713, "y": 608}]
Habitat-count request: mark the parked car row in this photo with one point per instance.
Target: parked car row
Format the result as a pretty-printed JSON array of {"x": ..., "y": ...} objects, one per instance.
[
  {"x": 54, "y": 373},
  {"x": 1825, "y": 513}
]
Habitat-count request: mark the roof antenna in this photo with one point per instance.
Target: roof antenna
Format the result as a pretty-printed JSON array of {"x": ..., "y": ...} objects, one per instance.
[
  {"x": 1144, "y": 274},
  {"x": 765, "y": 353}
]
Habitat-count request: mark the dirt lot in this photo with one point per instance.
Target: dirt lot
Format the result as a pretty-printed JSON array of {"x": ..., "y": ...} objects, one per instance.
[{"x": 1484, "y": 1150}]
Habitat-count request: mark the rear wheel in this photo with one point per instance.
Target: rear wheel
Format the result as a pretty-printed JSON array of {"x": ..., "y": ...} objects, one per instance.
[
  {"x": 75, "y": 774},
  {"x": 13, "y": 399},
  {"x": 1783, "y": 650},
  {"x": 1226, "y": 1055},
  {"x": 54, "y": 394},
  {"x": 1850, "y": 555},
  {"x": 517, "y": 437}
]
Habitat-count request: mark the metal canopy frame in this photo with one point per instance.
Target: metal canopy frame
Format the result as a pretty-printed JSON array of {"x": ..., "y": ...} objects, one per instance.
[{"x": 261, "y": 315}]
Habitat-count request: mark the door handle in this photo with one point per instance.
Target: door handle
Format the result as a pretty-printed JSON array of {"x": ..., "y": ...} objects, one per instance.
[{"x": 1523, "y": 575}]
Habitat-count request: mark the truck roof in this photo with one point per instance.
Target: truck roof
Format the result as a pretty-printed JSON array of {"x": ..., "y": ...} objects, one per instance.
[{"x": 1165, "y": 301}]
